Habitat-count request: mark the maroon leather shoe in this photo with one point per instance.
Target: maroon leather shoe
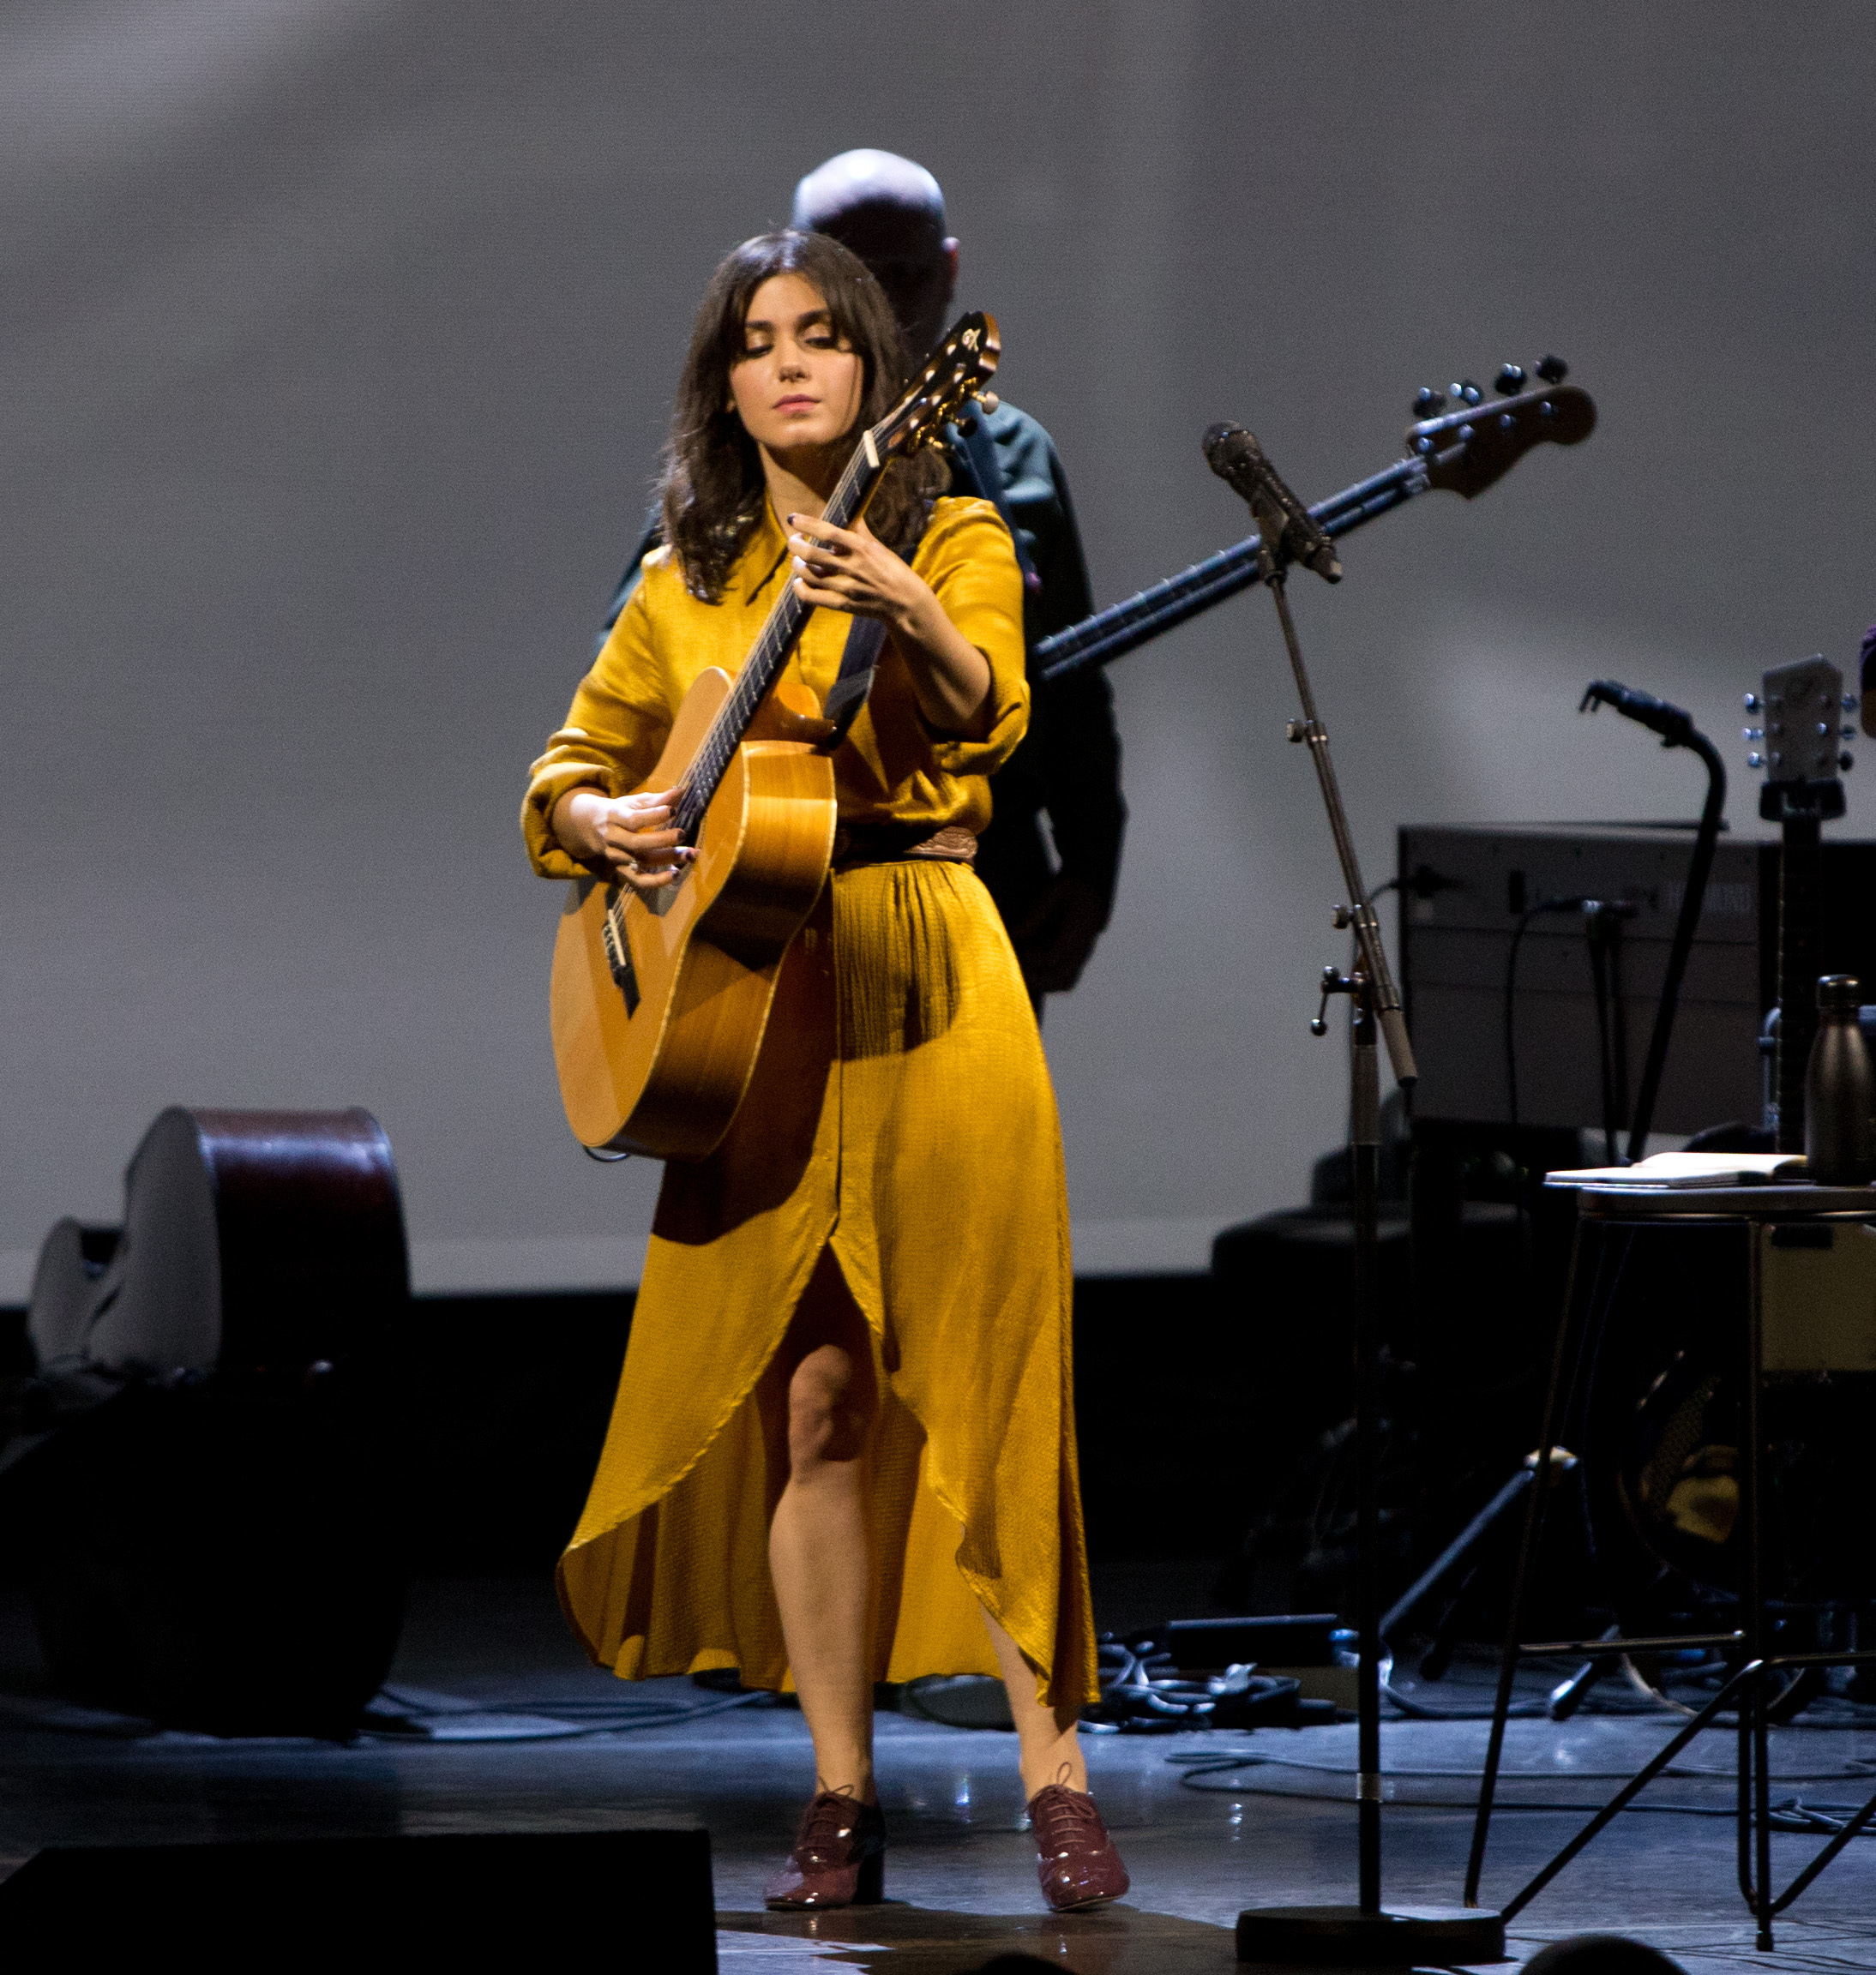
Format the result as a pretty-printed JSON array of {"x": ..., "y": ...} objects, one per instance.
[
  {"x": 1076, "y": 1860},
  {"x": 839, "y": 1860}
]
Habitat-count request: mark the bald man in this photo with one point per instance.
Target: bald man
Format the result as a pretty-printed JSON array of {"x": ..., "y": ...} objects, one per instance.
[{"x": 1055, "y": 883}]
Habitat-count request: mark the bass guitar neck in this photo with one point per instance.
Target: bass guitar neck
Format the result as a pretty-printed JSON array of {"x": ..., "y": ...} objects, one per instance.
[
  {"x": 1462, "y": 451},
  {"x": 1125, "y": 627}
]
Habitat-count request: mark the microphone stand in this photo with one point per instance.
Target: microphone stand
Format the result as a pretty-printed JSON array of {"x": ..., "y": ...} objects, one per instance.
[
  {"x": 1676, "y": 729},
  {"x": 1366, "y": 1935}
]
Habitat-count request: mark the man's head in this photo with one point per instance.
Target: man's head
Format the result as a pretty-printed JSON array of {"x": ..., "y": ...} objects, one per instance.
[{"x": 891, "y": 212}]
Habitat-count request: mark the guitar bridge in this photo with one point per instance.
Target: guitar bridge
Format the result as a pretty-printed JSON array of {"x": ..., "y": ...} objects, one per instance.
[{"x": 618, "y": 954}]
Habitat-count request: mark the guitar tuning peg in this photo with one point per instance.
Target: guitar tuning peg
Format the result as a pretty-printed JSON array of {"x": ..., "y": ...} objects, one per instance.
[
  {"x": 1552, "y": 369},
  {"x": 967, "y": 426},
  {"x": 1755, "y": 703},
  {"x": 1755, "y": 759},
  {"x": 1467, "y": 391},
  {"x": 1429, "y": 403},
  {"x": 1510, "y": 380},
  {"x": 989, "y": 400},
  {"x": 1846, "y": 761}
]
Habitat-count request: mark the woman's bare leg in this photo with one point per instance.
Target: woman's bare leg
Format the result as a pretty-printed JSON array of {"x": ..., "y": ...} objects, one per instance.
[
  {"x": 817, "y": 1542},
  {"x": 1049, "y": 1747}
]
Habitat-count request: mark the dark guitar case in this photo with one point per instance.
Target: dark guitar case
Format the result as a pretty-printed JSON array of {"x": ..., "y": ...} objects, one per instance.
[{"x": 208, "y": 1491}]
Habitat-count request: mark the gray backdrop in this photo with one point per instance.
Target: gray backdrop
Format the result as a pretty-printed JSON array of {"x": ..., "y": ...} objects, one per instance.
[{"x": 336, "y": 342}]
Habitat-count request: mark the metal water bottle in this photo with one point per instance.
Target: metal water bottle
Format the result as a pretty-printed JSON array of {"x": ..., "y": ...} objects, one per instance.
[{"x": 1839, "y": 1091}]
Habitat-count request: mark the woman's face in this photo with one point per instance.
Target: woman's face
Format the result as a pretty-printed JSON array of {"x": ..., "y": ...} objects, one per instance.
[{"x": 796, "y": 385}]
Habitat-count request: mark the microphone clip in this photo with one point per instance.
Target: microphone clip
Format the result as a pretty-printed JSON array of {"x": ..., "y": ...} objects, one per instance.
[{"x": 1287, "y": 532}]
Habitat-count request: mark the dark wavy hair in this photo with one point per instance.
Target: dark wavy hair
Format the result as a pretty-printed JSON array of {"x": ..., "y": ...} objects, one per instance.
[{"x": 712, "y": 487}]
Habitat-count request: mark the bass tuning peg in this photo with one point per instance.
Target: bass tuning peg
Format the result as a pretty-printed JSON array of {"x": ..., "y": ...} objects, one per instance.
[
  {"x": 1467, "y": 391},
  {"x": 1510, "y": 380},
  {"x": 1429, "y": 403},
  {"x": 1552, "y": 369}
]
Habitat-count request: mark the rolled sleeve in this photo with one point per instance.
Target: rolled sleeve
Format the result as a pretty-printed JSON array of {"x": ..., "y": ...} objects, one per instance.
[
  {"x": 969, "y": 561},
  {"x": 610, "y": 740},
  {"x": 571, "y": 762}
]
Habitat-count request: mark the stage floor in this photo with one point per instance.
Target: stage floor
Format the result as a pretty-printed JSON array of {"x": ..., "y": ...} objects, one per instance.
[{"x": 961, "y": 1880}]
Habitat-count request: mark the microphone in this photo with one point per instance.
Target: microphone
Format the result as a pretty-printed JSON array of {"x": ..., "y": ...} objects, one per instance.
[
  {"x": 1290, "y": 531},
  {"x": 1673, "y": 724}
]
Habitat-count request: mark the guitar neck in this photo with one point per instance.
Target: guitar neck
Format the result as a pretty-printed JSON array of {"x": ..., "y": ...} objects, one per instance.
[
  {"x": 780, "y": 634},
  {"x": 1125, "y": 627}
]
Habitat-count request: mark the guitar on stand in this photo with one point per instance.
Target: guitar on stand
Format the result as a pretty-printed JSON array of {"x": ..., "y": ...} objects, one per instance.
[{"x": 1801, "y": 707}]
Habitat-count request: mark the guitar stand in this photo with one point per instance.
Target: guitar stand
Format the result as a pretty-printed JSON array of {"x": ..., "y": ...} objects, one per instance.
[
  {"x": 1754, "y": 1687},
  {"x": 1366, "y": 1935}
]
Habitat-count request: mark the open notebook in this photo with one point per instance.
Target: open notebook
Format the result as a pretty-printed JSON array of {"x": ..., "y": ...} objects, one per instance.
[{"x": 1667, "y": 1169}]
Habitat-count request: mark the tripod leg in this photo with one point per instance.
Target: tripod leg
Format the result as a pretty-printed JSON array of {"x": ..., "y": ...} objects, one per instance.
[
  {"x": 1457, "y": 1551},
  {"x": 1527, "y": 1549}
]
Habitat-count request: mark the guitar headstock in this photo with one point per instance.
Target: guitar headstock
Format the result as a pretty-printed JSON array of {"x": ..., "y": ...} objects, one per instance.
[
  {"x": 958, "y": 370},
  {"x": 1801, "y": 706},
  {"x": 1467, "y": 449}
]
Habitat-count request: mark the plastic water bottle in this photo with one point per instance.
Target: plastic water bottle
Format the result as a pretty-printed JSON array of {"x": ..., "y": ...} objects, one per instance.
[{"x": 1839, "y": 1091}]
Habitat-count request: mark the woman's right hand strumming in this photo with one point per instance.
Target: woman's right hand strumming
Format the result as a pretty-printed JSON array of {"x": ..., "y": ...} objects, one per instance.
[{"x": 628, "y": 837}]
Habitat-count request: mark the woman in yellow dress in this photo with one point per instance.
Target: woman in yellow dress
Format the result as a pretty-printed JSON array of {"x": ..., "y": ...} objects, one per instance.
[{"x": 843, "y": 1448}]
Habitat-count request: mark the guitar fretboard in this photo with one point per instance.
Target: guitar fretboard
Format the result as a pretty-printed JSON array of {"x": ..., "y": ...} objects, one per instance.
[
  {"x": 779, "y": 634},
  {"x": 1126, "y": 626}
]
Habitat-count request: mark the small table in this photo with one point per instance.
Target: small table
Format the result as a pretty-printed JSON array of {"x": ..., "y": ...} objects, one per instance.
[{"x": 1759, "y": 1210}]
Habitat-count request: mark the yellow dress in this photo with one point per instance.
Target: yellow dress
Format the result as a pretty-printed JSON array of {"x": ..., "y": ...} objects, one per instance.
[{"x": 900, "y": 1114}]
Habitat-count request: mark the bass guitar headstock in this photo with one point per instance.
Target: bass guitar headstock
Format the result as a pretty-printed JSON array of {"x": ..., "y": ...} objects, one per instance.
[
  {"x": 1467, "y": 449},
  {"x": 960, "y": 367}
]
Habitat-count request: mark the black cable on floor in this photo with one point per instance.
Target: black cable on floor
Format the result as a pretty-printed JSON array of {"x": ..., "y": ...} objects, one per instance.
[
  {"x": 1197, "y": 1762},
  {"x": 1790, "y": 1817},
  {"x": 570, "y": 1720},
  {"x": 1425, "y": 1711},
  {"x": 1791, "y": 1814}
]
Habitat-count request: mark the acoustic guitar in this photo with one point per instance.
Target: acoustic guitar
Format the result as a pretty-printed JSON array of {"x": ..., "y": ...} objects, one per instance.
[
  {"x": 660, "y": 1002},
  {"x": 1463, "y": 450}
]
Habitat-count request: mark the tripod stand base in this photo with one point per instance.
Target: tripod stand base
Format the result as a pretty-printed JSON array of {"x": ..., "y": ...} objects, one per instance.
[{"x": 1346, "y": 1937}]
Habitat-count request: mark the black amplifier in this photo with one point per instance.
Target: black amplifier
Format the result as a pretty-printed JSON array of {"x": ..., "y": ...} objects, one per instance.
[{"x": 1463, "y": 892}]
